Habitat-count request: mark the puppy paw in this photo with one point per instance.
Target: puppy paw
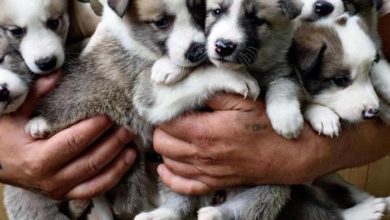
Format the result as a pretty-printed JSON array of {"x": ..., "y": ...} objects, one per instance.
[
  {"x": 37, "y": 127},
  {"x": 166, "y": 73},
  {"x": 381, "y": 79},
  {"x": 323, "y": 120},
  {"x": 371, "y": 209},
  {"x": 209, "y": 213},
  {"x": 387, "y": 200},
  {"x": 244, "y": 85},
  {"x": 286, "y": 119},
  {"x": 158, "y": 214}
]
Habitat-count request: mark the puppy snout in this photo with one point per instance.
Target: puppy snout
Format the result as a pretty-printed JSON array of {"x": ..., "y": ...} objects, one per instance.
[
  {"x": 224, "y": 47},
  {"x": 323, "y": 8},
  {"x": 196, "y": 53},
  {"x": 4, "y": 93},
  {"x": 47, "y": 64},
  {"x": 371, "y": 113}
]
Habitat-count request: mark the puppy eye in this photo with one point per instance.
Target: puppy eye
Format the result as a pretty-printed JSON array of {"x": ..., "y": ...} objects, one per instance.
[
  {"x": 217, "y": 12},
  {"x": 53, "y": 24},
  {"x": 163, "y": 23},
  {"x": 2, "y": 59},
  {"x": 259, "y": 21},
  {"x": 341, "y": 81},
  {"x": 16, "y": 32}
]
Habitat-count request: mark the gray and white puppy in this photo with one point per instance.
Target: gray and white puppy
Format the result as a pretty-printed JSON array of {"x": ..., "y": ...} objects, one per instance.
[
  {"x": 15, "y": 77},
  {"x": 114, "y": 78},
  {"x": 38, "y": 30}
]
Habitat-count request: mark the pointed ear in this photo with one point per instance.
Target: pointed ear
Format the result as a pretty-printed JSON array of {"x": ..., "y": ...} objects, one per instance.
[
  {"x": 306, "y": 59},
  {"x": 119, "y": 6},
  {"x": 291, "y": 8}
]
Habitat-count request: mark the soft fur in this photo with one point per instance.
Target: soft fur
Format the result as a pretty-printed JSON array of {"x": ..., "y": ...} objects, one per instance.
[
  {"x": 15, "y": 77},
  {"x": 38, "y": 30},
  {"x": 128, "y": 37}
]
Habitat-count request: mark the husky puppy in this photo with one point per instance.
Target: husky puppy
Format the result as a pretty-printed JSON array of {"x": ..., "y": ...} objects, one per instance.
[
  {"x": 37, "y": 29},
  {"x": 114, "y": 78},
  {"x": 15, "y": 77}
]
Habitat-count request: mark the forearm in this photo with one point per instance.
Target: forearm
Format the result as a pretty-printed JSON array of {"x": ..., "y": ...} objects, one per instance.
[{"x": 363, "y": 144}]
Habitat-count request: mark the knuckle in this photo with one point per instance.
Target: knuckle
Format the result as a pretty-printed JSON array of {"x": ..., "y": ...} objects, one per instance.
[
  {"x": 92, "y": 167},
  {"x": 73, "y": 143},
  {"x": 35, "y": 167}
]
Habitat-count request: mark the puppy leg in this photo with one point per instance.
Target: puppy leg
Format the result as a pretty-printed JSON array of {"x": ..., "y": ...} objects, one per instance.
[
  {"x": 175, "y": 207},
  {"x": 324, "y": 120},
  {"x": 284, "y": 108},
  {"x": 261, "y": 202},
  {"x": 371, "y": 209},
  {"x": 21, "y": 204},
  {"x": 194, "y": 90},
  {"x": 381, "y": 79},
  {"x": 166, "y": 72}
]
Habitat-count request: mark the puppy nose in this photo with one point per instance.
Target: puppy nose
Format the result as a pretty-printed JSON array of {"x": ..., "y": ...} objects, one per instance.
[
  {"x": 4, "y": 94},
  {"x": 224, "y": 47},
  {"x": 371, "y": 113},
  {"x": 323, "y": 8},
  {"x": 46, "y": 64},
  {"x": 196, "y": 53}
]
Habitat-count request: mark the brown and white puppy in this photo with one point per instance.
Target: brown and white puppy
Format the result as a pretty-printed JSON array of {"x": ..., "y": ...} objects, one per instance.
[{"x": 38, "y": 30}]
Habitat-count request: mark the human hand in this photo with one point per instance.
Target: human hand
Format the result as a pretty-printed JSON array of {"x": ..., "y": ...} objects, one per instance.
[
  {"x": 235, "y": 145},
  {"x": 81, "y": 162}
]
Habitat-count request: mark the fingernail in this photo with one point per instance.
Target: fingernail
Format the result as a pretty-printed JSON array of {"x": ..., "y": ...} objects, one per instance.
[
  {"x": 160, "y": 170},
  {"x": 130, "y": 157}
]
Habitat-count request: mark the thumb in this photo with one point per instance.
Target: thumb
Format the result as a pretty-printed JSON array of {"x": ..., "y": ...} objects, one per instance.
[
  {"x": 41, "y": 88},
  {"x": 228, "y": 102}
]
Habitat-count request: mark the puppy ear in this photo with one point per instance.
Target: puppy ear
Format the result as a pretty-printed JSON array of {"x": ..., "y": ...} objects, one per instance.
[
  {"x": 291, "y": 8},
  {"x": 119, "y": 6},
  {"x": 306, "y": 59}
]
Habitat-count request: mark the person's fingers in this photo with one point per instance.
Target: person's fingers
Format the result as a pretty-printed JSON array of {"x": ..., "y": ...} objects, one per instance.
[
  {"x": 107, "y": 179},
  {"x": 96, "y": 159},
  {"x": 41, "y": 88},
  {"x": 168, "y": 146},
  {"x": 182, "y": 185},
  {"x": 74, "y": 140},
  {"x": 205, "y": 168}
]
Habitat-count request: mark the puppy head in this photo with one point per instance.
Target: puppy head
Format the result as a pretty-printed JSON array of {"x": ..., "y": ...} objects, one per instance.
[
  {"x": 160, "y": 28},
  {"x": 334, "y": 64},
  {"x": 37, "y": 29},
  {"x": 237, "y": 31},
  {"x": 15, "y": 77}
]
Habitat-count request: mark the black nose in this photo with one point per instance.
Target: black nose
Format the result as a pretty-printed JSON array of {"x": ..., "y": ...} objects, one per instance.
[
  {"x": 47, "y": 64},
  {"x": 224, "y": 47},
  {"x": 196, "y": 53},
  {"x": 371, "y": 113},
  {"x": 323, "y": 8},
  {"x": 4, "y": 94}
]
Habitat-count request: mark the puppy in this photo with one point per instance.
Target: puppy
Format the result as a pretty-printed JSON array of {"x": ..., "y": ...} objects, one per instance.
[
  {"x": 15, "y": 78},
  {"x": 37, "y": 29},
  {"x": 114, "y": 78}
]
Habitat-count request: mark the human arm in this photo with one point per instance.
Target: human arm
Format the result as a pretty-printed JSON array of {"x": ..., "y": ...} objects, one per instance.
[
  {"x": 81, "y": 162},
  {"x": 215, "y": 150},
  {"x": 238, "y": 146}
]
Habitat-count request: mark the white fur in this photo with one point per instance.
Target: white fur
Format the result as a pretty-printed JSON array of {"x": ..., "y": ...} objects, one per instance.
[
  {"x": 196, "y": 88},
  {"x": 158, "y": 214},
  {"x": 39, "y": 41},
  {"x": 102, "y": 208},
  {"x": 112, "y": 22},
  {"x": 359, "y": 54},
  {"x": 227, "y": 28},
  {"x": 37, "y": 127},
  {"x": 371, "y": 209},
  {"x": 209, "y": 213},
  {"x": 323, "y": 120},
  {"x": 380, "y": 77},
  {"x": 166, "y": 72},
  {"x": 17, "y": 88}
]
